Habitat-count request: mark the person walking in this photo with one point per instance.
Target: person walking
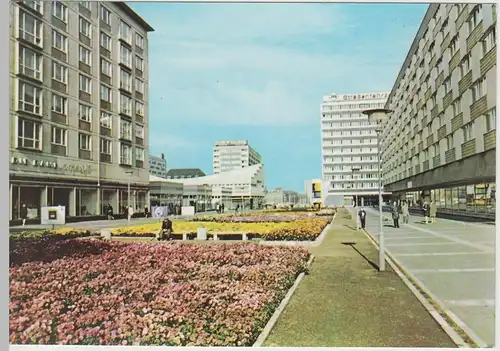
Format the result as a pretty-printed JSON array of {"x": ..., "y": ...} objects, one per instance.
[
  {"x": 130, "y": 213},
  {"x": 395, "y": 215},
  {"x": 222, "y": 208},
  {"x": 362, "y": 217},
  {"x": 433, "y": 211},
  {"x": 406, "y": 212},
  {"x": 146, "y": 211},
  {"x": 425, "y": 208},
  {"x": 24, "y": 214},
  {"x": 110, "y": 212}
]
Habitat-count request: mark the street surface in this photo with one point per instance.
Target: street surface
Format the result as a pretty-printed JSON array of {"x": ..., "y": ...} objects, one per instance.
[{"x": 454, "y": 260}]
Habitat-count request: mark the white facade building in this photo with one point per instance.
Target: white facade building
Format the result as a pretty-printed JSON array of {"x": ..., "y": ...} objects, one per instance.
[
  {"x": 158, "y": 166},
  {"x": 349, "y": 148},
  {"x": 229, "y": 155}
]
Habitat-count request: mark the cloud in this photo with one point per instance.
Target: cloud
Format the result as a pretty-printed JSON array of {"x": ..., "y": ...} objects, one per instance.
[{"x": 161, "y": 140}]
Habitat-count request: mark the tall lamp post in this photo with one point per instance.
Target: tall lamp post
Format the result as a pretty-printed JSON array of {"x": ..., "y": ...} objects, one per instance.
[
  {"x": 129, "y": 173},
  {"x": 379, "y": 116},
  {"x": 354, "y": 171}
]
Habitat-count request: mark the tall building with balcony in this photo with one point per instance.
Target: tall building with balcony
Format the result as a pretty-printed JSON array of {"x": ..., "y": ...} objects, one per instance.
[
  {"x": 439, "y": 143},
  {"x": 229, "y": 155},
  {"x": 78, "y": 107},
  {"x": 158, "y": 166},
  {"x": 349, "y": 148}
]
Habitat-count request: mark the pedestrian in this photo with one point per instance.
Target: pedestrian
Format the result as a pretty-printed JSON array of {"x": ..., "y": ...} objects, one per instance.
[
  {"x": 146, "y": 211},
  {"x": 433, "y": 211},
  {"x": 165, "y": 232},
  {"x": 406, "y": 213},
  {"x": 110, "y": 212},
  {"x": 395, "y": 215},
  {"x": 130, "y": 213},
  {"x": 217, "y": 208},
  {"x": 362, "y": 217},
  {"x": 24, "y": 214},
  {"x": 425, "y": 208},
  {"x": 222, "y": 208}
]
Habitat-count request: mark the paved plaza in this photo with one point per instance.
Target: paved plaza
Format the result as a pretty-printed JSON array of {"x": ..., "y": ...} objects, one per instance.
[{"x": 454, "y": 260}]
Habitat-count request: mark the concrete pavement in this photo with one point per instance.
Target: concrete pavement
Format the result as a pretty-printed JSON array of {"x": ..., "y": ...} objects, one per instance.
[{"x": 453, "y": 260}]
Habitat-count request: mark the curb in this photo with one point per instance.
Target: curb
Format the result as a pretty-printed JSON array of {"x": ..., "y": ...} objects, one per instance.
[
  {"x": 414, "y": 287},
  {"x": 274, "y": 318}
]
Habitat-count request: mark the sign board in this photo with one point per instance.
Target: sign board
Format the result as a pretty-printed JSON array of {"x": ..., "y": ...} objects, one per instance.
[
  {"x": 187, "y": 211},
  {"x": 53, "y": 215},
  {"x": 316, "y": 190},
  {"x": 159, "y": 211}
]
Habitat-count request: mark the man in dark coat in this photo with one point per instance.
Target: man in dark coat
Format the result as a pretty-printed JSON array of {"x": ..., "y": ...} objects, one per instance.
[
  {"x": 165, "y": 232},
  {"x": 24, "y": 214},
  {"x": 110, "y": 212},
  {"x": 362, "y": 217},
  {"x": 395, "y": 215}
]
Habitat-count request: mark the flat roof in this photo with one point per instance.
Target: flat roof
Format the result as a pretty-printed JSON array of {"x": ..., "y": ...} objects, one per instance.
[{"x": 128, "y": 10}]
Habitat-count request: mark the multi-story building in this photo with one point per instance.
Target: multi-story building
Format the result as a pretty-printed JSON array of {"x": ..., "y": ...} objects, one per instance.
[
  {"x": 78, "y": 108},
  {"x": 439, "y": 141},
  {"x": 229, "y": 155},
  {"x": 158, "y": 166},
  {"x": 349, "y": 148}
]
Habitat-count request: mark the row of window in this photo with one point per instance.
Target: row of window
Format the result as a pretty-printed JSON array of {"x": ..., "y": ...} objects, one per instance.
[
  {"x": 351, "y": 106},
  {"x": 29, "y": 135},
  {"x": 351, "y": 141},
  {"x": 349, "y": 186}
]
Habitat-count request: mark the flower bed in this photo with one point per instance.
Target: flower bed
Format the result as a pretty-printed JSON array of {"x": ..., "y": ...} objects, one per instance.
[
  {"x": 266, "y": 216},
  {"x": 300, "y": 230},
  {"x": 169, "y": 294}
]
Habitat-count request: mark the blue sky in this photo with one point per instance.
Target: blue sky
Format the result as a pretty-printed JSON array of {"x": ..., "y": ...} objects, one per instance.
[{"x": 258, "y": 72}]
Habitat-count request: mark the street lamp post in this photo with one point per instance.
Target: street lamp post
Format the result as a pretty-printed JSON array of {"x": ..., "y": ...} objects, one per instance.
[
  {"x": 129, "y": 173},
  {"x": 379, "y": 116},
  {"x": 354, "y": 171}
]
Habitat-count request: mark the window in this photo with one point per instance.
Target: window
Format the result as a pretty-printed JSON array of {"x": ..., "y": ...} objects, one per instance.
[
  {"x": 125, "y": 154},
  {"x": 489, "y": 41},
  {"x": 125, "y": 32},
  {"x": 139, "y": 131},
  {"x": 454, "y": 45},
  {"x": 125, "y": 56},
  {"x": 139, "y": 40},
  {"x": 59, "y": 136},
  {"x": 479, "y": 89},
  {"x": 106, "y": 67},
  {"x": 465, "y": 66},
  {"x": 30, "y": 98},
  {"x": 59, "y": 104},
  {"x": 106, "y": 146},
  {"x": 85, "y": 28},
  {"x": 105, "y": 15},
  {"x": 139, "y": 86},
  {"x": 59, "y": 41},
  {"x": 85, "y": 4},
  {"x": 35, "y": 5},
  {"x": 449, "y": 142},
  {"x": 106, "y": 119},
  {"x": 475, "y": 18},
  {"x": 139, "y": 63},
  {"x": 59, "y": 10},
  {"x": 125, "y": 80},
  {"x": 447, "y": 85},
  {"x": 30, "y": 63},
  {"x": 59, "y": 73},
  {"x": 85, "y": 84},
  {"x": 29, "y": 134},
  {"x": 30, "y": 29},
  {"x": 468, "y": 132},
  {"x": 125, "y": 105},
  {"x": 125, "y": 130},
  {"x": 85, "y": 142},
  {"x": 85, "y": 113},
  {"x": 85, "y": 56},
  {"x": 139, "y": 154},
  {"x": 139, "y": 108},
  {"x": 457, "y": 106},
  {"x": 105, "y": 41},
  {"x": 491, "y": 119},
  {"x": 105, "y": 93}
]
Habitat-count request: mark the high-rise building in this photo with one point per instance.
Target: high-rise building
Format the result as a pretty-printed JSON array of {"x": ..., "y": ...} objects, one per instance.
[
  {"x": 349, "y": 148},
  {"x": 230, "y": 155},
  {"x": 439, "y": 143},
  {"x": 79, "y": 106},
  {"x": 158, "y": 166}
]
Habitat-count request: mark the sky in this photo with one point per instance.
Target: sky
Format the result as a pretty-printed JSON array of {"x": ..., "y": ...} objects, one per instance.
[{"x": 258, "y": 72}]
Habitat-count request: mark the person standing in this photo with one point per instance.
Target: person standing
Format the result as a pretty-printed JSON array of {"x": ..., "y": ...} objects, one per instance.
[
  {"x": 110, "y": 212},
  {"x": 24, "y": 214},
  {"x": 395, "y": 215},
  {"x": 222, "y": 208},
  {"x": 406, "y": 212},
  {"x": 433, "y": 211},
  {"x": 425, "y": 208},
  {"x": 362, "y": 217},
  {"x": 130, "y": 212},
  {"x": 146, "y": 211}
]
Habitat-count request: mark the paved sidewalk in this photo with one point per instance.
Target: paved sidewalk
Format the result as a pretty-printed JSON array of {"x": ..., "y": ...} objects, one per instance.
[
  {"x": 454, "y": 260},
  {"x": 346, "y": 302}
]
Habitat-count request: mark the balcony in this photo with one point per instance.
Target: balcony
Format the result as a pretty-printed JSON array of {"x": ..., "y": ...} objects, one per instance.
[
  {"x": 462, "y": 17},
  {"x": 449, "y": 156},
  {"x": 490, "y": 140},
  {"x": 446, "y": 42},
  {"x": 434, "y": 111},
  {"x": 430, "y": 140},
  {"x": 468, "y": 148},
  {"x": 425, "y": 166},
  {"x": 478, "y": 108},
  {"x": 475, "y": 36},
  {"x": 457, "y": 122},
  {"x": 440, "y": 79},
  {"x": 465, "y": 83},
  {"x": 420, "y": 146},
  {"x": 488, "y": 61},
  {"x": 436, "y": 161},
  {"x": 441, "y": 132},
  {"x": 454, "y": 61}
]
